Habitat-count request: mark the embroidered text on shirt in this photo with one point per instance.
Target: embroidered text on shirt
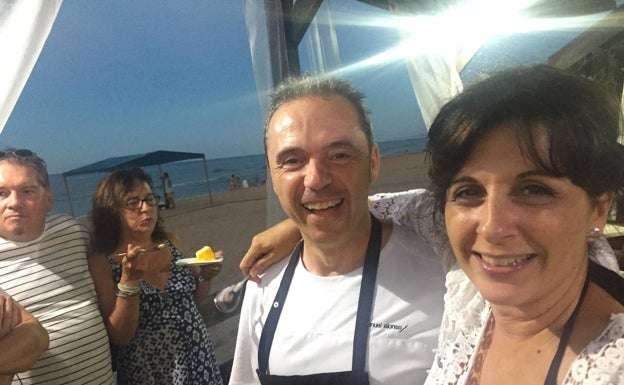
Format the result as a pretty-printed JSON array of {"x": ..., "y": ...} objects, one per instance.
[{"x": 380, "y": 325}]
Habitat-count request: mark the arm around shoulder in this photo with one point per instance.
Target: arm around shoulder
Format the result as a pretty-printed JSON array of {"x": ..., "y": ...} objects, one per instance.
[{"x": 269, "y": 247}]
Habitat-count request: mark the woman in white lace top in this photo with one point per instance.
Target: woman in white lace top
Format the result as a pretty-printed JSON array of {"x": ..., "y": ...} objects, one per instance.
[{"x": 524, "y": 167}]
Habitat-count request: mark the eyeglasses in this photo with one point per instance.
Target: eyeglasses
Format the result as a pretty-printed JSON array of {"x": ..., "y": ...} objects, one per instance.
[
  {"x": 135, "y": 203},
  {"x": 21, "y": 153}
]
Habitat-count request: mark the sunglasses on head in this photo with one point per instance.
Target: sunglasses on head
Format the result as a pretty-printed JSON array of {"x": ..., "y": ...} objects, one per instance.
[{"x": 21, "y": 153}]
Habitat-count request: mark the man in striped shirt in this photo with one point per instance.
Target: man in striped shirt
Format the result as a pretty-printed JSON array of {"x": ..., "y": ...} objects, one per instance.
[{"x": 43, "y": 266}]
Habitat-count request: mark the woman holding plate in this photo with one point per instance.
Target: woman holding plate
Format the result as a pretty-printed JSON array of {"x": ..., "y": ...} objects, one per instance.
[{"x": 146, "y": 299}]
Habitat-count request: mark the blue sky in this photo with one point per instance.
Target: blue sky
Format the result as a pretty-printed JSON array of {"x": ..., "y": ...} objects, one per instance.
[{"x": 123, "y": 77}]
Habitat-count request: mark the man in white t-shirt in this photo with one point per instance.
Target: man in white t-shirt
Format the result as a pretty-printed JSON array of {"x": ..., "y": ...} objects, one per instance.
[
  {"x": 43, "y": 266},
  {"x": 342, "y": 309}
]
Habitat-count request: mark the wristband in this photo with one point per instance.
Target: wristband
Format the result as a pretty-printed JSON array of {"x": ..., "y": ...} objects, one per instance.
[
  {"x": 130, "y": 289},
  {"x": 200, "y": 279},
  {"x": 125, "y": 294}
]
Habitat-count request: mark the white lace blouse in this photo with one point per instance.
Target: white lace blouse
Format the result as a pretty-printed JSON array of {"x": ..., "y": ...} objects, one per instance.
[{"x": 466, "y": 312}]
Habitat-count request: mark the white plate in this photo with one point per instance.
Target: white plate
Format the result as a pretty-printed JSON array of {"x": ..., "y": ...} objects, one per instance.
[{"x": 194, "y": 261}]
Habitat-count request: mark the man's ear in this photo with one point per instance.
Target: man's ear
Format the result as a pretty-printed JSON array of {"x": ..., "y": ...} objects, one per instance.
[
  {"x": 49, "y": 200},
  {"x": 374, "y": 163}
]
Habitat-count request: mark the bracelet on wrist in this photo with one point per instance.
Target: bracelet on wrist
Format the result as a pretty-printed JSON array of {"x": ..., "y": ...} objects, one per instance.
[
  {"x": 131, "y": 289},
  {"x": 125, "y": 294},
  {"x": 200, "y": 279}
]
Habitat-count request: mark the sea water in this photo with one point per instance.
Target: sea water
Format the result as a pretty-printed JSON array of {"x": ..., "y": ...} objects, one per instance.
[{"x": 191, "y": 179}]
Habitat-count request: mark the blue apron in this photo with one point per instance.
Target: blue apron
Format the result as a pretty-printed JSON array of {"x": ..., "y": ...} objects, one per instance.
[
  {"x": 357, "y": 375},
  {"x": 606, "y": 279}
]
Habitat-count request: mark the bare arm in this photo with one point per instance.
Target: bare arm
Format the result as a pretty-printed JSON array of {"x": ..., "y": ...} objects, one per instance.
[
  {"x": 22, "y": 338},
  {"x": 268, "y": 247},
  {"x": 413, "y": 209},
  {"x": 120, "y": 314}
]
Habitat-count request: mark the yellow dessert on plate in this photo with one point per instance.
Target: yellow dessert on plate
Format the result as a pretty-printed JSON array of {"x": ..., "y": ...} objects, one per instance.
[{"x": 205, "y": 254}]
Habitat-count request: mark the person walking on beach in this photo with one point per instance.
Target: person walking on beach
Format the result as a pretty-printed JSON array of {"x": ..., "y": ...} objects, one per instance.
[
  {"x": 168, "y": 190},
  {"x": 338, "y": 310},
  {"x": 44, "y": 267}
]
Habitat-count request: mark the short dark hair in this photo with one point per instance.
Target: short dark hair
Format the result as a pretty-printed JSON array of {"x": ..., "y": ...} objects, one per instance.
[
  {"x": 298, "y": 87},
  {"x": 107, "y": 204},
  {"x": 581, "y": 120},
  {"x": 29, "y": 159}
]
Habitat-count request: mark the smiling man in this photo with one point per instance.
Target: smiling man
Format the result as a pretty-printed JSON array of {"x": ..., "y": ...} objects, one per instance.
[
  {"x": 340, "y": 309},
  {"x": 43, "y": 266}
]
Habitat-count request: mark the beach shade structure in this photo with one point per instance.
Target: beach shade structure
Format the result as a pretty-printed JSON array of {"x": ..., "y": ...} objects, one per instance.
[{"x": 155, "y": 158}]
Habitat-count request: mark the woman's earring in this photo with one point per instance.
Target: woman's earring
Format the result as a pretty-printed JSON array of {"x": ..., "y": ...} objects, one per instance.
[{"x": 593, "y": 235}]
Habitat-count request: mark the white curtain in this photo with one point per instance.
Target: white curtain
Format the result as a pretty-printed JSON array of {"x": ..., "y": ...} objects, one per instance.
[
  {"x": 259, "y": 31},
  {"x": 322, "y": 43},
  {"x": 434, "y": 77},
  {"x": 24, "y": 28}
]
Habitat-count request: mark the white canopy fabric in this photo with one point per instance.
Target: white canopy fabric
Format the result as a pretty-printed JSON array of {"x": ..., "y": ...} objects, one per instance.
[
  {"x": 434, "y": 77},
  {"x": 24, "y": 28}
]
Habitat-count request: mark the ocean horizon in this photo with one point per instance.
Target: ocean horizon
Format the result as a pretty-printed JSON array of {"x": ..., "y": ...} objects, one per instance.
[{"x": 189, "y": 177}]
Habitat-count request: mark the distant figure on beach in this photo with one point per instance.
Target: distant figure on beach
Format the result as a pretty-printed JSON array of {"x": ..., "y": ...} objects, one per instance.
[
  {"x": 168, "y": 188},
  {"x": 147, "y": 300},
  {"x": 350, "y": 271},
  {"x": 235, "y": 183},
  {"x": 44, "y": 262}
]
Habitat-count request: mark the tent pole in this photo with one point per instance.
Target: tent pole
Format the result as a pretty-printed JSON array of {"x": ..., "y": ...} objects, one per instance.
[
  {"x": 207, "y": 180},
  {"x": 71, "y": 207},
  {"x": 162, "y": 183}
]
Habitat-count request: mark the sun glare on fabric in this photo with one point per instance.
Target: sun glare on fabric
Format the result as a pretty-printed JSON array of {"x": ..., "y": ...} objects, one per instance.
[{"x": 462, "y": 29}]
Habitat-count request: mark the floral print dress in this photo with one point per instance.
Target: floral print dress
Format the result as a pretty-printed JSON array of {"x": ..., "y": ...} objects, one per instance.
[{"x": 171, "y": 345}]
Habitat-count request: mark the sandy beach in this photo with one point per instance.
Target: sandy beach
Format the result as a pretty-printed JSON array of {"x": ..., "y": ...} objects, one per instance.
[{"x": 234, "y": 217}]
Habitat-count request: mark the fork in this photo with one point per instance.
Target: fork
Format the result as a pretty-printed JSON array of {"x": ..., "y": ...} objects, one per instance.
[
  {"x": 228, "y": 299},
  {"x": 155, "y": 248}
]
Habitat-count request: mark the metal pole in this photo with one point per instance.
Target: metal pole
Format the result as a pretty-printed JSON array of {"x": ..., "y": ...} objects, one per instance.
[
  {"x": 162, "y": 185},
  {"x": 207, "y": 179},
  {"x": 71, "y": 207}
]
